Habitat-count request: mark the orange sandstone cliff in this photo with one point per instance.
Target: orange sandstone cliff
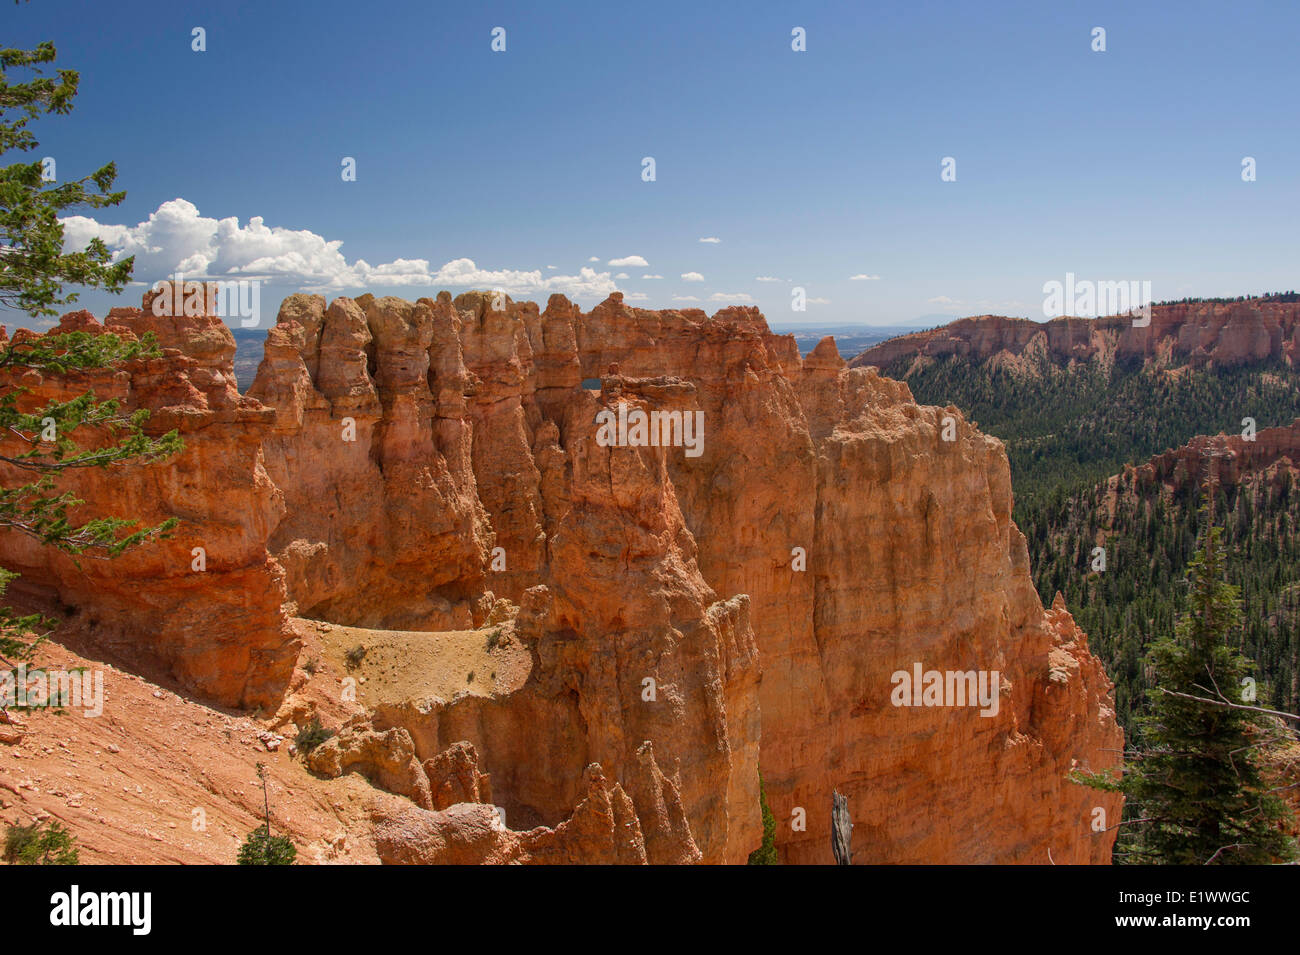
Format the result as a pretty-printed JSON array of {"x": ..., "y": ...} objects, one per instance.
[{"x": 660, "y": 626}]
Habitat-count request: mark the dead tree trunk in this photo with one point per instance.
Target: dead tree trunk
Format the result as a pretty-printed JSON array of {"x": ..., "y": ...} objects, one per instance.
[{"x": 841, "y": 829}]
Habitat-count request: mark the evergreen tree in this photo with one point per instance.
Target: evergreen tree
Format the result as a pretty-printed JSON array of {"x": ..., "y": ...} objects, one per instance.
[
  {"x": 39, "y": 441},
  {"x": 33, "y": 264},
  {"x": 766, "y": 853},
  {"x": 261, "y": 847},
  {"x": 1196, "y": 788},
  {"x": 39, "y": 844}
]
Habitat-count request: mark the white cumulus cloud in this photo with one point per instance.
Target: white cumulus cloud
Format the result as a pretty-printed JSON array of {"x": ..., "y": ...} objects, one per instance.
[
  {"x": 692, "y": 277},
  {"x": 177, "y": 238},
  {"x": 729, "y": 297},
  {"x": 863, "y": 277},
  {"x": 635, "y": 260},
  {"x": 769, "y": 278},
  {"x": 711, "y": 240},
  {"x": 652, "y": 276}
]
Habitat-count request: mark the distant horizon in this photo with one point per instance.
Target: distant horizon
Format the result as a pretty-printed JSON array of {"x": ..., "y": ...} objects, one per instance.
[{"x": 13, "y": 319}]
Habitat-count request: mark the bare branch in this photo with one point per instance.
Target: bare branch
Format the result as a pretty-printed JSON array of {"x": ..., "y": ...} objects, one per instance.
[
  {"x": 1230, "y": 705},
  {"x": 1235, "y": 845}
]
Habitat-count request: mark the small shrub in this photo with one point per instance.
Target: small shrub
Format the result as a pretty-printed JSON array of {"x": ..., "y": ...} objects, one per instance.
[
  {"x": 355, "y": 656},
  {"x": 310, "y": 667},
  {"x": 38, "y": 844},
  {"x": 312, "y": 735},
  {"x": 18, "y": 839},
  {"x": 493, "y": 639},
  {"x": 262, "y": 848},
  {"x": 765, "y": 854}
]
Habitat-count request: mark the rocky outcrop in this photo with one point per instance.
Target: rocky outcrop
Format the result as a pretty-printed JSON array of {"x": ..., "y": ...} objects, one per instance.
[
  {"x": 387, "y": 758},
  {"x": 468, "y": 445},
  {"x": 214, "y": 625},
  {"x": 380, "y": 498},
  {"x": 1231, "y": 333},
  {"x": 1273, "y": 453},
  {"x": 697, "y": 608},
  {"x": 454, "y": 777},
  {"x": 862, "y": 541},
  {"x": 603, "y": 830}
]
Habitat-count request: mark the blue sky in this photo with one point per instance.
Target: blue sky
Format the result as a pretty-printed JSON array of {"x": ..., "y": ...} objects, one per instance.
[{"x": 808, "y": 167}]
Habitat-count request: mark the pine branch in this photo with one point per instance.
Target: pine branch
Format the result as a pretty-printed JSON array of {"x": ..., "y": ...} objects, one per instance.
[
  {"x": 1230, "y": 705},
  {"x": 1235, "y": 845},
  {"x": 1133, "y": 822}
]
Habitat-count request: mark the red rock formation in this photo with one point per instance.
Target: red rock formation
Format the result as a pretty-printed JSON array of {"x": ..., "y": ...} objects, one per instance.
[
  {"x": 603, "y": 830},
  {"x": 220, "y": 632},
  {"x": 1233, "y": 333},
  {"x": 454, "y": 777},
  {"x": 438, "y": 461},
  {"x": 386, "y": 758},
  {"x": 904, "y": 534},
  {"x": 382, "y": 527},
  {"x": 1272, "y": 450}
]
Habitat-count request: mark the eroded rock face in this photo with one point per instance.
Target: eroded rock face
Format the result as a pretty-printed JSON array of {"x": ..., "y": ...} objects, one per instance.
[
  {"x": 454, "y": 777},
  {"x": 691, "y": 617},
  {"x": 1231, "y": 333},
  {"x": 383, "y": 525},
  {"x": 221, "y": 631},
  {"x": 603, "y": 830},
  {"x": 908, "y": 555},
  {"x": 467, "y": 450},
  {"x": 387, "y": 758},
  {"x": 1273, "y": 450}
]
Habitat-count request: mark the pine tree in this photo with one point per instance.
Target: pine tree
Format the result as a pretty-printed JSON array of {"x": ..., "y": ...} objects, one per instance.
[
  {"x": 1196, "y": 788},
  {"x": 33, "y": 265},
  {"x": 39, "y": 441},
  {"x": 40, "y": 844},
  {"x": 261, "y": 847}
]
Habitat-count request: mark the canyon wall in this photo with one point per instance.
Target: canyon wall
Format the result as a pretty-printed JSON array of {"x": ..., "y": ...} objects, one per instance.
[
  {"x": 220, "y": 633},
  {"x": 1233, "y": 457},
  {"x": 692, "y": 618},
  {"x": 1232, "y": 333}
]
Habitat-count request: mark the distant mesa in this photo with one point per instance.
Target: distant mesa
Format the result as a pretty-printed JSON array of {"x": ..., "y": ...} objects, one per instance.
[{"x": 1223, "y": 333}]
